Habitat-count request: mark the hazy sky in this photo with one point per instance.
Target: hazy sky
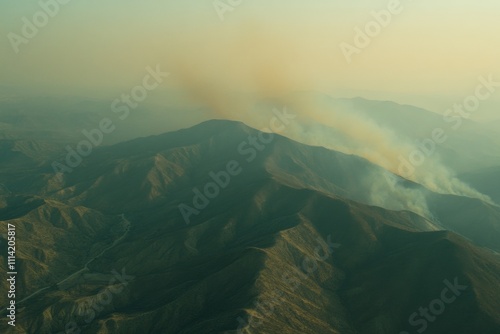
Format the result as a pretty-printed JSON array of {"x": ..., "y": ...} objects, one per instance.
[{"x": 430, "y": 54}]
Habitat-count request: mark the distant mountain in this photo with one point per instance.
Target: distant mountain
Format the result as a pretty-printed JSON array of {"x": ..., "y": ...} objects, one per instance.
[
  {"x": 469, "y": 145},
  {"x": 486, "y": 181},
  {"x": 201, "y": 231},
  {"x": 161, "y": 169},
  {"x": 38, "y": 129},
  {"x": 61, "y": 120}
]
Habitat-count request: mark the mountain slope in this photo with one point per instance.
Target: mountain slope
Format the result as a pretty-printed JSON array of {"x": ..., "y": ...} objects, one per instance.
[
  {"x": 202, "y": 278},
  {"x": 289, "y": 245},
  {"x": 162, "y": 169}
]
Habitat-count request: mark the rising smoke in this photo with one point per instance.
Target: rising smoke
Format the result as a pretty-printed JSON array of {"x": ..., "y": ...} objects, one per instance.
[{"x": 260, "y": 69}]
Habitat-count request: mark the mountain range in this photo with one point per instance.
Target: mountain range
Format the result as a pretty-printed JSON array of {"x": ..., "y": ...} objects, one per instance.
[{"x": 221, "y": 228}]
